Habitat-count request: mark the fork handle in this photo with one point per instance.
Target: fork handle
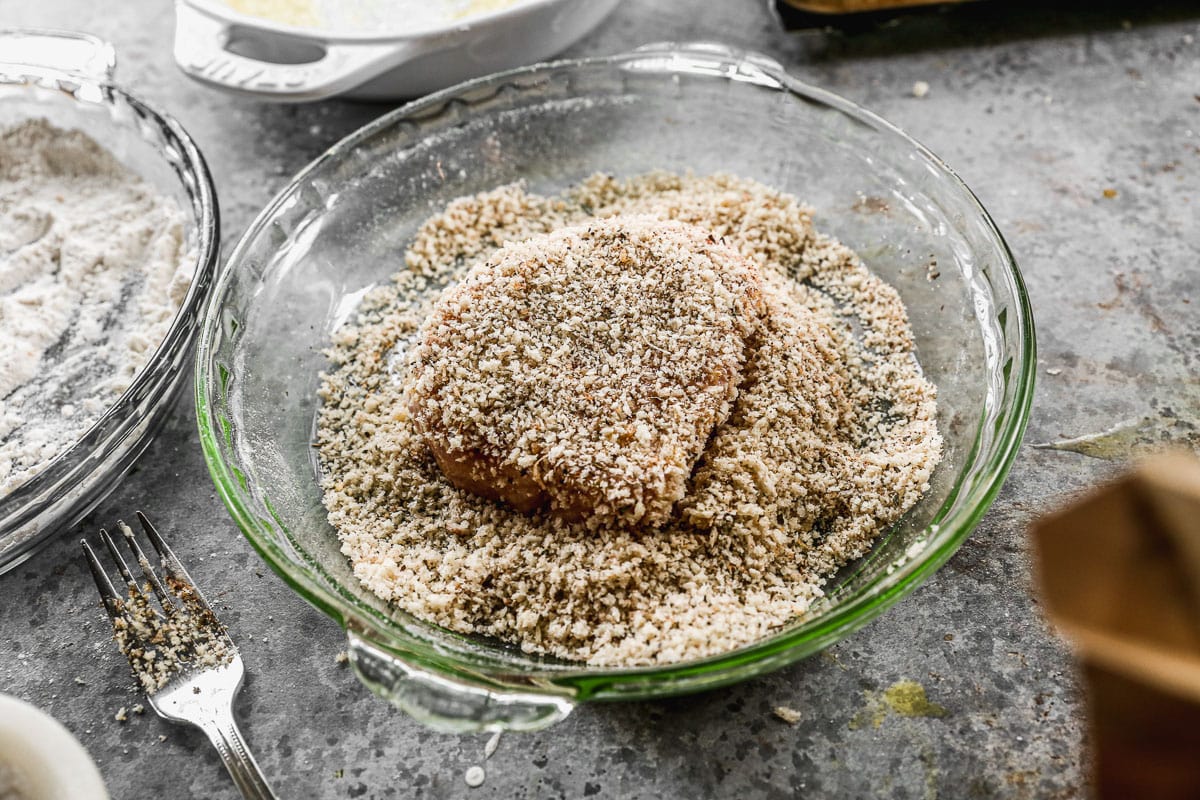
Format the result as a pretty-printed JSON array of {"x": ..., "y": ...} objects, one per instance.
[{"x": 235, "y": 755}]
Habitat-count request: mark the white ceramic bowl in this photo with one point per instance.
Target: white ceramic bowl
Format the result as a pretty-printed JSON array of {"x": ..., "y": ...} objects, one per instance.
[
  {"x": 283, "y": 61},
  {"x": 47, "y": 761}
]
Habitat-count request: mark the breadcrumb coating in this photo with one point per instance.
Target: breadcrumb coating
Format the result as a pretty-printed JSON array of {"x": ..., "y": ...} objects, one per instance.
[
  {"x": 831, "y": 437},
  {"x": 583, "y": 370}
]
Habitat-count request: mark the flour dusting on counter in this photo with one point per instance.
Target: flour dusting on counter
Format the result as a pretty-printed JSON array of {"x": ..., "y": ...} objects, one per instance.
[{"x": 93, "y": 266}]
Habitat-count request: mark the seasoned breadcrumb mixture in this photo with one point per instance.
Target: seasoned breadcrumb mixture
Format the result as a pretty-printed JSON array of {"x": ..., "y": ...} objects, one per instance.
[
  {"x": 585, "y": 369},
  {"x": 161, "y": 644},
  {"x": 830, "y": 439}
]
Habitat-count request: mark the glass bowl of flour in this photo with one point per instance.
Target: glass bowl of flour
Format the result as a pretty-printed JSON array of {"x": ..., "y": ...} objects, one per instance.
[
  {"x": 319, "y": 253},
  {"x": 108, "y": 247}
]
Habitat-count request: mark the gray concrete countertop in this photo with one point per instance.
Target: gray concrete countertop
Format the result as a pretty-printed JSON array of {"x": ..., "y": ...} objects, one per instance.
[{"x": 1080, "y": 132}]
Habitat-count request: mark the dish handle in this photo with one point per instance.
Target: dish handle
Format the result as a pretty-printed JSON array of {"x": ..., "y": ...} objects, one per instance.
[
  {"x": 323, "y": 68},
  {"x": 452, "y": 704},
  {"x": 67, "y": 51}
]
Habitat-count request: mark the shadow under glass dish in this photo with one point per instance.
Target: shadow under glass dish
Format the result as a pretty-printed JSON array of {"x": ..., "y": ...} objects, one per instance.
[
  {"x": 342, "y": 225},
  {"x": 78, "y": 93}
]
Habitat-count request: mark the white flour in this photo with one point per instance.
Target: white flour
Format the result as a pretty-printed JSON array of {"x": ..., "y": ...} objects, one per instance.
[{"x": 93, "y": 266}]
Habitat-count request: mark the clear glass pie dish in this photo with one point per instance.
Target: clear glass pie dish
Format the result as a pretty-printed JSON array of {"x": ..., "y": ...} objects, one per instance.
[
  {"x": 66, "y": 79},
  {"x": 341, "y": 226}
]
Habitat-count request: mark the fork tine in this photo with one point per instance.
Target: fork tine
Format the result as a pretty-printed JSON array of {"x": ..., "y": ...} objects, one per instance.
[
  {"x": 169, "y": 560},
  {"x": 108, "y": 593},
  {"x": 122, "y": 567},
  {"x": 164, "y": 552},
  {"x": 160, "y": 591}
]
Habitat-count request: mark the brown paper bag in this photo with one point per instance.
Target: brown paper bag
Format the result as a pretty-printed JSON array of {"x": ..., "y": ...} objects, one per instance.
[{"x": 1120, "y": 576}]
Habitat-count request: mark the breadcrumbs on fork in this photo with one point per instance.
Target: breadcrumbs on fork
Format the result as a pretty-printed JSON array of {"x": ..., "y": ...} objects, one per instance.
[{"x": 831, "y": 437}]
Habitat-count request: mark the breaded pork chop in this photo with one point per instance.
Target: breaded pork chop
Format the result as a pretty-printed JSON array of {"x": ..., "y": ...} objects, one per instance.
[{"x": 582, "y": 371}]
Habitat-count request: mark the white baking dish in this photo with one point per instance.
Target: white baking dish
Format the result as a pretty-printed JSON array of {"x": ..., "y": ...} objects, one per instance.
[{"x": 376, "y": 55}]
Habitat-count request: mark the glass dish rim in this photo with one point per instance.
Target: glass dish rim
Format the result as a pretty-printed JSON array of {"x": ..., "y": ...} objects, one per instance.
[
  {"x": 35, "y": 496},
  {"x": 944, "y": 536}
]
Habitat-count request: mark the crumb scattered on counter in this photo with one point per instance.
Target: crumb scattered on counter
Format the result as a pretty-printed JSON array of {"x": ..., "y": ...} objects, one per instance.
[
  {"x": 121, "y": 715},
  {"x": 789, "y": 715},
  {"x": 474, "y": 776},
  {"x": 490, "y": 748},
  {"x": 904, "y": 698},
  {"x": 920, "y": 89}
]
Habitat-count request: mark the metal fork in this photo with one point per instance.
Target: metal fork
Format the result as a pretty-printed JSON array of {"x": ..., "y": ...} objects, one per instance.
[{"x": 180, "y": 653}]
